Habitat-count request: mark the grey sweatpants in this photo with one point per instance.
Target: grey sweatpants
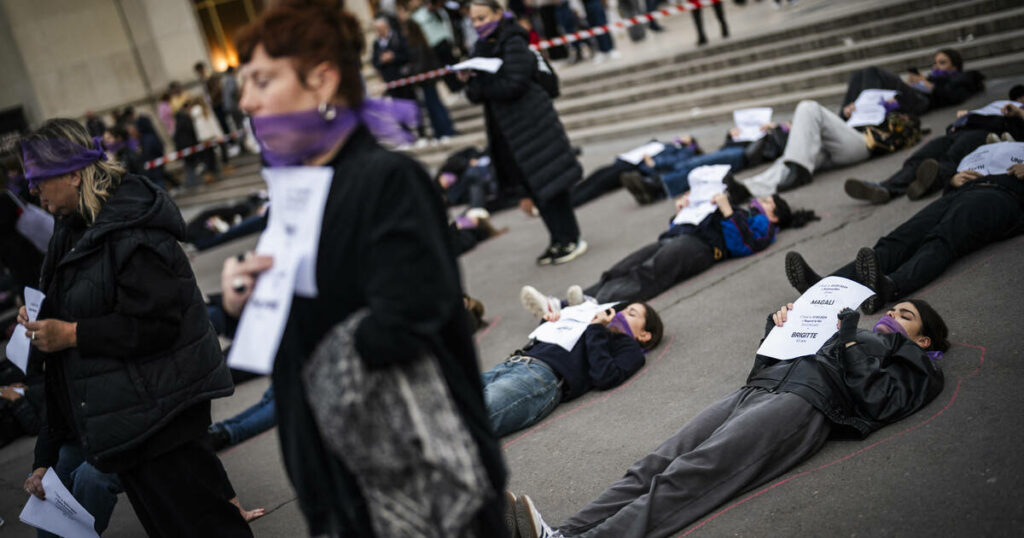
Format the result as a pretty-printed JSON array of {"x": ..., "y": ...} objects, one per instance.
[
  {"x": 743, "y": 440},
  {"x": 818, "y": 139}
]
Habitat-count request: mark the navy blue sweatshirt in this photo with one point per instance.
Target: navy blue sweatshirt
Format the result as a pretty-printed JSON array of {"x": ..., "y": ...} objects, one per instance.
[{"x": 602, "y": 359}]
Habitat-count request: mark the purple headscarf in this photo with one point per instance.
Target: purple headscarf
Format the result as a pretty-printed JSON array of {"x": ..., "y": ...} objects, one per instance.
[
  {"x": 51, "y": 157},
  {"x": 294, "y": 138}
]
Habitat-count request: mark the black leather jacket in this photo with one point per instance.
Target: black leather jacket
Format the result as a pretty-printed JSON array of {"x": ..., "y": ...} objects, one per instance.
[{"x": 882, "y": 379}]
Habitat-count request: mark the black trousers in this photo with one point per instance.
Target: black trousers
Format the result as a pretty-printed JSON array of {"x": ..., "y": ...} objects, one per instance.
[
  {"x": 184, "y": 493},
  {"x": 653, "y": 269},
  {"x": 600, "y": 181},
  {"x": 948, "y": 150},
  {"x": 559, "y": 218},
  {"x": 874, "y": 78},
  {"x": 920, "y": 249},
  {"x": 698, "y": 20}
]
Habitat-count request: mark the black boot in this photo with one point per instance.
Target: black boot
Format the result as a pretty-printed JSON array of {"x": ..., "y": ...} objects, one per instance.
[
  {"x": 870, "y": 274},
  {"x": 795, "y": 176},
  {"x": 924, "y": 179},
  {"x": 800, "y": 275},
  {"x": 865, "y": 190}
]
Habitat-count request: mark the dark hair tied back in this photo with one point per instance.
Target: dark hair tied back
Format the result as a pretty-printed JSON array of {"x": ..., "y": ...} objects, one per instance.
[{"x": 790, "y": 218}]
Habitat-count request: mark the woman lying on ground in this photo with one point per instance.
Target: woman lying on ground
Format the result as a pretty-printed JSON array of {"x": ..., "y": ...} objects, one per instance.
[
  {"x": 766, "y": 428},
  {"x": 975, "y": 211},
  {"x": 934, "y": 164},
  {"x": 685, "y": 250}
]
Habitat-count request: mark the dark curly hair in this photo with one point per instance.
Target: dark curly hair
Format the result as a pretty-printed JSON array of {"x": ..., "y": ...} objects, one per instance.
[{"x": 790, "y": 218}]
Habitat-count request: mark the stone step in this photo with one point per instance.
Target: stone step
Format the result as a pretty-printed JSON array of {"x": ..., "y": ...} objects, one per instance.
[
  {"x": 874, "y": 21},
  {"x": 977, "y": 52},
  {"x": 985, "y": 29},
  {"x": 684, "y": 117}
]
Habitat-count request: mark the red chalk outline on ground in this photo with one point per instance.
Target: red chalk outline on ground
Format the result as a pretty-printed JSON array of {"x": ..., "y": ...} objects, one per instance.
[{"x": 685, "y": 7}]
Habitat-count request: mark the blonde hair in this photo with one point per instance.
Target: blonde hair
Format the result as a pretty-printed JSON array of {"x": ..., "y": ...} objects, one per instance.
[{"x": 99, "y": 179}]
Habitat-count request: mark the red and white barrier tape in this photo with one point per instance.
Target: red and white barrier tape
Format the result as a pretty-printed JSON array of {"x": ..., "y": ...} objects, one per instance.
[
  {"x": 175, "y": 155},
  {"x": 686, "y": 6}
]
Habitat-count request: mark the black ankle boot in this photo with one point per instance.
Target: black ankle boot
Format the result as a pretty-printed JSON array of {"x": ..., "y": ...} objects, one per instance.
[
  {"x": 800, "y": 275},
  {"x": 794, "y": 176}
]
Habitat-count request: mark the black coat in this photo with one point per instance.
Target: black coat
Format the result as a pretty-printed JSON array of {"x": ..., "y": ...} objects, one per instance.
[
  {"x": 397, "y": 67},
  {"x": 146, "y": 352},
  {"x": 528, "y": 142},
  {"x": 384, "y": 245},
  {"x": 955, "y": 89},
  {"x": 882, "y": 379}
]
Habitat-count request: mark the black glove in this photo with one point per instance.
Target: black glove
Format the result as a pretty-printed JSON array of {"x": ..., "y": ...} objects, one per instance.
[{"x": 848, "y": 325}]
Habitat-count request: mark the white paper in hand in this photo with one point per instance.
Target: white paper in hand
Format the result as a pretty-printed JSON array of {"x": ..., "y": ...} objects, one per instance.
[
  {"x": 749, "y": 122},
  {"x": 813, "y": 318},
  {"x": 60, "y": 513},
  {"x": 489, "y": 65},
  {"x": 571, "y": 325},
  {"x": 993, "y": 159},
  {"x": 705, "y": 183},
  {"x": 868, "y": 108},
  {"x": 995, "y": 108},
  {"x": 18, "y": 346},
  {"x": 263, "y": 319},
  {"x": 635, "y": 155}
]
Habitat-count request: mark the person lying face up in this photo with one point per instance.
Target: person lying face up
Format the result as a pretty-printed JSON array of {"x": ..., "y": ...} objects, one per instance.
[{"x": 584, "y": 347}]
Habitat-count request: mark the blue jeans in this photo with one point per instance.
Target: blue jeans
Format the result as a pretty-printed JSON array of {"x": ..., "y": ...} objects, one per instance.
[
  {"x": 253, "y": 421},
  {"x": 676, "y": 182},
  {"x": 596, "y": 16},
  {"x": 439, "y": 119},
  {"x": 519, "y": 394},
  {"x": 94, "y": 490}
]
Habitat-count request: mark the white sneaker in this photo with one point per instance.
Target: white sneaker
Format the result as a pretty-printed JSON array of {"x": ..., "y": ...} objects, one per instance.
[
  {"x": 574, "y": 295},
  {"x": 478, "y": 213},
  {"x": 600, "y": 57},
  {"x": 538, "y": 304},
  {"x": 530, "y": 522},
  {"x": 614, "y": 54},
  {"x": 510, "y": 515}
]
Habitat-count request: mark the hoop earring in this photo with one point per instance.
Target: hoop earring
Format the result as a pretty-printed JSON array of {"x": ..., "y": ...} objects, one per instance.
[{"x": 327, "y": 112}]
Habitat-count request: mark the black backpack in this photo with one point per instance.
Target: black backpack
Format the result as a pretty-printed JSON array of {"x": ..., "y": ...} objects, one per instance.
[{"x": 545, "y": 76}]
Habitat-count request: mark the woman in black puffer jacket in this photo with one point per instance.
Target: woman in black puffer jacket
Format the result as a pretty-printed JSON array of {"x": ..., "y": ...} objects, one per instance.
[
  {"x": 131, "y": 360},
  {"x": 527, "y": 141}
]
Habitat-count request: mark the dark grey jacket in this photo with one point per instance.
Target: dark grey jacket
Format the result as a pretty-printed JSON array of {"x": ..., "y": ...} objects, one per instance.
[
  {"x": 146, "y": 350},
  {"x": 528, "y": 142}
]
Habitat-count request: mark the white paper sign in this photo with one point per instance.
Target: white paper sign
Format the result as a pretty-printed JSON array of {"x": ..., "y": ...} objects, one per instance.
[
  {"x": 570, "y": 326},
  {"x": 813, "y": 318},
  {"x": 993, "y": 159},
  {"x": 995, "y": 108},
  {"x": 749, "y": 122},
  {"x": 60, "y": 513},
  {"x": 868, "y": 108},
  {"x": 634, "y": 156},
  {"x": 18, "y": 345},
  {"x": 34, "y": 224},
  {"x": 705, "y": 183},
  {"x": 298, "y": 196},
  {"x": 489, "y": 65}
]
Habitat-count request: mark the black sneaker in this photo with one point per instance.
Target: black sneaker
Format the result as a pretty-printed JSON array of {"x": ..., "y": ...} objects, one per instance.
[
  {"x": 865, "y": 190},
  {"x": 547, "y": 256},
  {"x": 800, "y": 275},
  {"x": 870, "y": 274},
  {"x": 794, "y": 176},
  {"x": 924, "y": 179},
  {"x": 217, "y": 437},
  {"x": 567, "y": 252},
  {"x": 634, "y": 183}
]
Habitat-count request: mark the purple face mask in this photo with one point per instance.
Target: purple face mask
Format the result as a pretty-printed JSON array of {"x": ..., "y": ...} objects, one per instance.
[
  {"x": 487, "y": 28},
  {"x": 888, "y": 325},
  {"x": 295, "y": 138},
  {"x": 619, "y": 323},
  {"x": 49, "y": 158},
  {"x": 939, "y": 73},
  {"x": 756, "y": 204}
]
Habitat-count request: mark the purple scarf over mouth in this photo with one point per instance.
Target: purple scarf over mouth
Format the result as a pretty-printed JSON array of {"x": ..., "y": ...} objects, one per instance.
[
  {"x": 618, "y": 323},
  {"x": 888, "y": 325},
  {"x": 52, "y": 157},
  {"x": 293, "y": 139}
]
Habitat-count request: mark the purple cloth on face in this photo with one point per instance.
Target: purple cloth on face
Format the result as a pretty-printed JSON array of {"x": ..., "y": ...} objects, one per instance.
[
  {"x": 52, "y": 157},
  {"x": 619, "y": 322},
  {"x": 294, "y": 138},
  {"x": 893, "y": 326},
  {"x": 940, "y": 73},
  {"x": 487, "y": 28},
  {"x": 756, "y": 204}
]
